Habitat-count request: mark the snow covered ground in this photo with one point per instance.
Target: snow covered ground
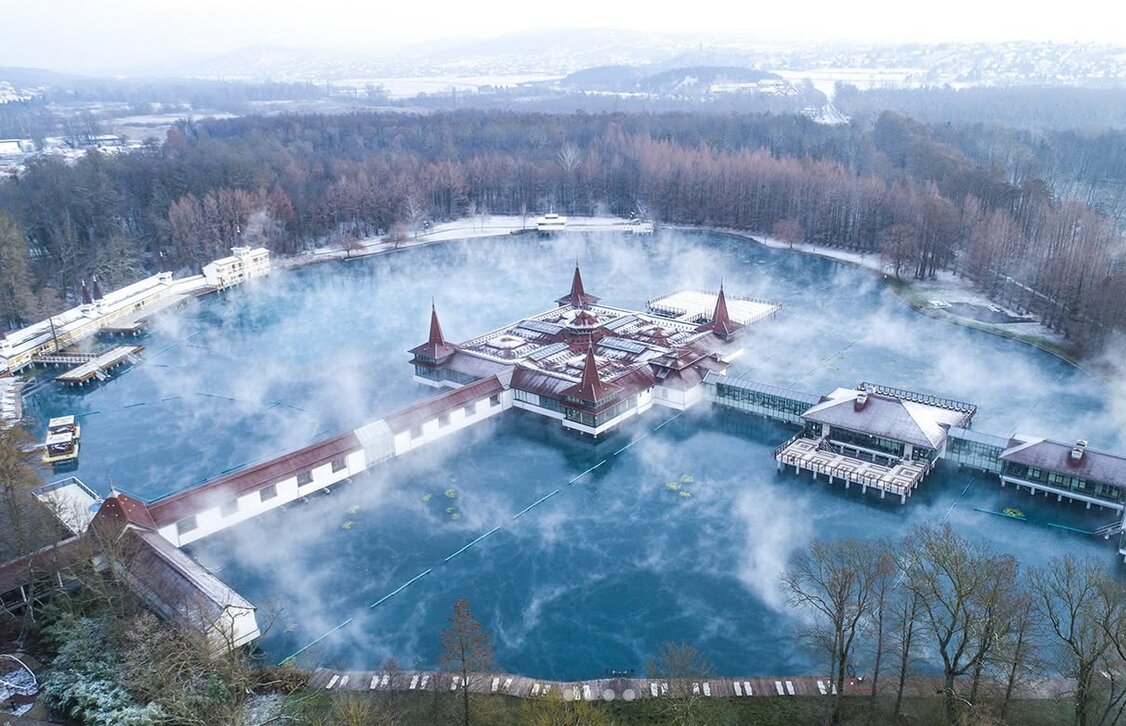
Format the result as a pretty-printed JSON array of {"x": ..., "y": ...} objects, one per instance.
[{"x": 945, "y": 288}]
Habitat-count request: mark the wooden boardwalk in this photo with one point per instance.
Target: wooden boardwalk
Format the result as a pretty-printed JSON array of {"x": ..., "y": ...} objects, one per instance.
[
  {"x": 629, "y": 689},
  {"x": 599, "y": 689}
]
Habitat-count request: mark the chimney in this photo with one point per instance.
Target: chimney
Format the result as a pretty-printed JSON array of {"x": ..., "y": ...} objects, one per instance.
[
  {"x": 861, "y": 401},
  {"x": 1078, "y": 450}
]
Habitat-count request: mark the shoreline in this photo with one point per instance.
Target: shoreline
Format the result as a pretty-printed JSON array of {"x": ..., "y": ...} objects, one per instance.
[{"x": 913, "y": 292}]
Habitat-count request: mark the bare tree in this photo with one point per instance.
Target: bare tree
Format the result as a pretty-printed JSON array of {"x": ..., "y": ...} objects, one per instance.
[
  {"x": 1076, "y": 600},
  {"x": 838, "y": 582},
  {"x": 897, "y": 245},
  {"x": 788, "y": 231},
  {"x": 570, "y": 158},
  {"x": 964, "y": 591},
  {"x": 905, "y": 616},
  {"x": 1020, "y": 657},
  {"x": 682, "y": 666},
  {"x": 397, "y": 235},
  {"x": 467, "y": 651}
]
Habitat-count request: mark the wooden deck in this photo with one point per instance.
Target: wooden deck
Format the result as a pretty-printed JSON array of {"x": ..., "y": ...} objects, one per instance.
[
  {"x": 599, "y": 689},
  {"x": 629, "y": 689},
  {"x": 98, "y": 367},
  {"x": 900, "y": 478}
]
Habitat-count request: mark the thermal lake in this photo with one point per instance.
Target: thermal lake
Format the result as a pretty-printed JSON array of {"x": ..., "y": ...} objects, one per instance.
[{"x": 681, "y": 536}]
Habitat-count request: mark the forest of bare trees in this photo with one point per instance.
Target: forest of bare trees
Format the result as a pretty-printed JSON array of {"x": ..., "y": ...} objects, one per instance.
[
  {"x": 924, "y": 196},
  {"x": 941, "y": 608}
]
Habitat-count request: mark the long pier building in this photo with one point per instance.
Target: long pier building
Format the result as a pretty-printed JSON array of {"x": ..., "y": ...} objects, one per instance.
[{"x": 119, "y": 310}]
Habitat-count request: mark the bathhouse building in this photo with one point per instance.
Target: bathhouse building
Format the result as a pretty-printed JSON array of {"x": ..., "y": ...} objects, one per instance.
[
  {"x": 874, "y": 436},
  {"x": 592, "y": 366}
]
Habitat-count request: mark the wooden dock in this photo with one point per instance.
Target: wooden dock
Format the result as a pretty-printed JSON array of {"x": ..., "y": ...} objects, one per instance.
[
  {"x": 599, "y": 689},
  {"x": 899, "y": 477},
  {"x": 98, "y": 368}
]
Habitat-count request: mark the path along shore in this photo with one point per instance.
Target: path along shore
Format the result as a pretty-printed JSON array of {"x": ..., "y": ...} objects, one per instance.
[{"x": 945, "y": 287}]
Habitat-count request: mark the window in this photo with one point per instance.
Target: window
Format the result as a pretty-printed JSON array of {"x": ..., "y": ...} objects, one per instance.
[
  {"x": 187, "y": 525},
  {"x": 470, "y": 409},
  {"x": 339, "y": 464},
  {"x": 304, "y": 477},
  {"x": 228, "y": 508},
  {"x": 268, "y": 492},
  {"x": 416, "y": 432},
  {"x": 494, "y": 400},
  {"x": 443, "y": 420}
]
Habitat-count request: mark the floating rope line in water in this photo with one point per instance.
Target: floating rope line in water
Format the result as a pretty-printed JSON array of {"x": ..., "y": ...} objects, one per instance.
[
  {"x": 310, "y": 645},
  {"x": 428, "y": 570},
  {"x": 580, "y": 476},
  {"x": 541, "y": 500},
  {"x": 463, "y": 549},
  {"x": 402, "y": 587}
]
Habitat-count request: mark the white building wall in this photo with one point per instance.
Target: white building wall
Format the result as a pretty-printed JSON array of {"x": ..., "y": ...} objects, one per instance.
[
  {"x": 236, "y": 627},
  {"x": 432, "y": 430},
  {"x": 250, "y": 504}
]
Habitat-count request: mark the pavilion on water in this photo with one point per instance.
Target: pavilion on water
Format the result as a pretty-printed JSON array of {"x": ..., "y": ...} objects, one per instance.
[{"x": 591, "y": 365}]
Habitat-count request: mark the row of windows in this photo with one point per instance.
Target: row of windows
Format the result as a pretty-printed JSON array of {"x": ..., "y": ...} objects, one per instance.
[
  {"x": 265, "y": 494},
  {"x": 468, "y": 409},
  {"x": 596, "y": 420},
  {"x": 867, "y": 441},
  {"x": 758, "y": 398},
  {"x": 550, "y": 404},
  {"x": 441, "y": 374},
  {"x": 1063, "y": 481}
]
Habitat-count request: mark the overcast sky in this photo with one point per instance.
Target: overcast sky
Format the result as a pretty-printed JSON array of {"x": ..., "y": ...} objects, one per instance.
[{"x": 90, "y": 35}]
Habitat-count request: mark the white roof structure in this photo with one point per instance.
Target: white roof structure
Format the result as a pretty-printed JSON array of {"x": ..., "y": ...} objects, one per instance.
[
  {"x": 887, "y": 416},
  {"x": 697, "y": 305}
]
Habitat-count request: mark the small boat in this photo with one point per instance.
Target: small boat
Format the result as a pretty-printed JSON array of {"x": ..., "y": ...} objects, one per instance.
[
  {"x": 61, "y": 445},
  {"x": 1012, "y": 512}
]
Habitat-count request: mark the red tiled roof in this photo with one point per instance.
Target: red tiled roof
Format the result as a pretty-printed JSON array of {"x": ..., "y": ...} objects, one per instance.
[
  {"x": 119, "y": 510},
  {"x": 175, "y": 507},
  {"x": 407, "y": 418}
]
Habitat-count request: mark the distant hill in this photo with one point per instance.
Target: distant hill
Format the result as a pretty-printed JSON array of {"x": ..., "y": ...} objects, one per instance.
[
  {"x": 678, "y": 80},
  {"x": 693, "y": 81},
  {"x": 31, "y": 77}
]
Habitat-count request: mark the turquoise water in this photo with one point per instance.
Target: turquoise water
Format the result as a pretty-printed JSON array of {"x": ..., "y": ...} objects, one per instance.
[{"x": 597, "y": 576}]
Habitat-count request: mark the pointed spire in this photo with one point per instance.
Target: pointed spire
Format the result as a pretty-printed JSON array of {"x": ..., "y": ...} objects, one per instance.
[
  {"x": 436, "y": 337},
  {"x": 435, "y": 348},
  {"x": 590, "y": 389},
  {"x": 720, "y": 318},
  {"x": 578, "y": 297},
  {"x": 721, "y": 323}
]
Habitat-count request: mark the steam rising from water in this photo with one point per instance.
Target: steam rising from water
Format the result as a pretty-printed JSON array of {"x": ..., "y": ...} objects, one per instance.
[{"x": 596, "y": 577}]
